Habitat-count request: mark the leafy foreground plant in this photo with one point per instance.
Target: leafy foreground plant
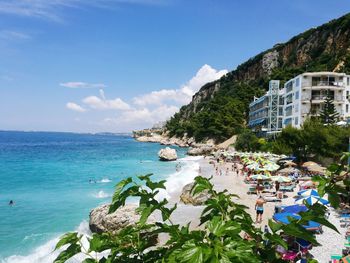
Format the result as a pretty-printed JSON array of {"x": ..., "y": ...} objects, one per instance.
[{"x": 226, "y": 234}]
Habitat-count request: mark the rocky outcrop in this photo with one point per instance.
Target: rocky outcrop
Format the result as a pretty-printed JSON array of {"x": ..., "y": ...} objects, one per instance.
[
  {"x": 188, "y": 198},
  {"x": 202, "y": 149},
  {"x": 101, "y": 221},
  {"x": 167, "y": 154}
]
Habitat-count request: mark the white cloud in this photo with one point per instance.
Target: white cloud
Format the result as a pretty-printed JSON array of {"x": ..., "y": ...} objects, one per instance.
[
  {"x": 102, "y": 103},
  {"x": 144, "y": 116},
  {"x": 50, "y": 9},
  {"x": 13, "y": 35},
  {"x": 75, "y": 107},
  {"x": 184, "y": 94},
  {"x": 82, "y": 85}
]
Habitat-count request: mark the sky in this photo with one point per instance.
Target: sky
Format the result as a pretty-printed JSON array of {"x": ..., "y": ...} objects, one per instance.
[{"x": 120, "y": 65}]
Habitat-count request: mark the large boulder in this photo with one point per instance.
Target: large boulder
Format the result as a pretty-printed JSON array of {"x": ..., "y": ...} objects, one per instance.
[
  {"x": 188, "y": 198},
  {"x": 101, "y": 221},
  {"x": 167, "y": 154}
]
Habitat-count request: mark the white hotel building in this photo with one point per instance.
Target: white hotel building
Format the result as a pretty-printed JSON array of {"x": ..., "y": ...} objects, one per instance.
[{"x": 302, "y": 97}]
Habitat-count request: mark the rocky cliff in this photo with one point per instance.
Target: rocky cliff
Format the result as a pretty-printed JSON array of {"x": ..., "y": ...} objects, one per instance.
[{"x": 325, "y": 48}]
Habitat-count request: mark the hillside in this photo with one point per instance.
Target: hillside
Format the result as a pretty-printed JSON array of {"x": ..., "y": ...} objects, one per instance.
[{"x": 219, "y": 109}]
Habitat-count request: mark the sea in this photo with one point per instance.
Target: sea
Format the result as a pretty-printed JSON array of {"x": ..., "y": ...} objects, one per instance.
[{"x": 55, "y": 179}]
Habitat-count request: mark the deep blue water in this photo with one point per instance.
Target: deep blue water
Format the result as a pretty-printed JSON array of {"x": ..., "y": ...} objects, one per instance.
[{"x": 48, "y": 177}]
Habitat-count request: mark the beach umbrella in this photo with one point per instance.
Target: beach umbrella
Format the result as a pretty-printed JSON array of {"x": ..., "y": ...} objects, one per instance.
[
  {"x": 311, "y": 200},
  {"x": 284, "y": 218},
  {"x": 294, "y": 209},
  {"x": 309, "y": 192},
  {"x": 281, "y": 179},
  {"x": 290, "y": 163},
  {"x": 309, "y": 164},
  {"x": 271, "y": 167},
  {"x": 260, "y": 177},
  {"x": 253, "y": 166}
]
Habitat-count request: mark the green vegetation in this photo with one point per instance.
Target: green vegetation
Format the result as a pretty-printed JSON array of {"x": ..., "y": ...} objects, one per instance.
[
  {"x": 329, "y": 114},
  {"x": 325, "y": 48},
  {"x": 314, "y": 139},
  {"x": 221, "y": 239}
]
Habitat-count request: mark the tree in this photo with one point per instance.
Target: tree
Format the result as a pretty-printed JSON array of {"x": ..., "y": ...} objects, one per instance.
[
  {"x": 227, "y": 232},
  {"x": 247, "y": 141},
  {"x": 329, "y": 114}
]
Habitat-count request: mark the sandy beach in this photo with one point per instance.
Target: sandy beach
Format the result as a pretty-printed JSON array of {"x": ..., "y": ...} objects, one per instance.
[{"x": 331, "y": 241}]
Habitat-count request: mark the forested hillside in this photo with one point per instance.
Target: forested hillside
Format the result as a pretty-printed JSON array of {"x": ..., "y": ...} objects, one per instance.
[{"x": 220, "y": 109}]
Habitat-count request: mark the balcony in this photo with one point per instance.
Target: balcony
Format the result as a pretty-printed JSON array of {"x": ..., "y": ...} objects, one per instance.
[
  {"x": 327, "y": 83},
  {"x": 321, "y": 98}
]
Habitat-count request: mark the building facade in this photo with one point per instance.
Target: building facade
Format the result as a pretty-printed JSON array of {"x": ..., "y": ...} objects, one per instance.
[
  {"x": 266, "y": 112},
  {"x": 300, "y": 98},
  {"x": 304, "y": 96}
]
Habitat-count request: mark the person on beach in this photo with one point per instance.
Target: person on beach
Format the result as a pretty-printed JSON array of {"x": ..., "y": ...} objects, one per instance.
[
  {"x": 277, "y": 186},
  {"x": 227, "y": 170},
  {"x": 259, "y": 207}
]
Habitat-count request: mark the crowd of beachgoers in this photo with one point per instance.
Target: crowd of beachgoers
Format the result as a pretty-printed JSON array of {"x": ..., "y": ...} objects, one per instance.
[{"x": 275, "y": 187}]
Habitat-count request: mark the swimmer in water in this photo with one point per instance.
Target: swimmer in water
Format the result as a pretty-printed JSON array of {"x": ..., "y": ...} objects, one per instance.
[{"x": 11, "y": 203}]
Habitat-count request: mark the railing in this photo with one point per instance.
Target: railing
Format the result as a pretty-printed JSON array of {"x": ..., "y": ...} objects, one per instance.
[
  {"x": 327, "y": 83},
  {"x": 322, "y": 97}
]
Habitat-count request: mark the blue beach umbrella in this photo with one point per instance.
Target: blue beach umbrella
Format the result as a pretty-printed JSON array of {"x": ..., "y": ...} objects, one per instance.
[
  {"x": 294, "y": 209},
  {"x": 309, "y": 192},
  {"x": 284, "y": 219},
  {"x": 311, "y": 200}
]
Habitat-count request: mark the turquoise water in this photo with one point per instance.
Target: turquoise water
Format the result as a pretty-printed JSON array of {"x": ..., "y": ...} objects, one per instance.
[{"x": 51, "y": 178}]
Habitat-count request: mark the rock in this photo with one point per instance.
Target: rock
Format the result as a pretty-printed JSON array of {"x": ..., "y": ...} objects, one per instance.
[
  {"x": 187, "y": 198},
  {"x": 200, "y": 150},
  {"x": 102, "y": 222},
  {"x": 167, "y": 154}
]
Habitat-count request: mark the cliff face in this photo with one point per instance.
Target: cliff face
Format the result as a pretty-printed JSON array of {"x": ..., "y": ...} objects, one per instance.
[{"x": 325, "y": 48}]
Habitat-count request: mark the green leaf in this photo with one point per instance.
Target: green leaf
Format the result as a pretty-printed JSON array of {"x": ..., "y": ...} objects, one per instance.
[
  {"x": 192, "y": 253},
  {"x": 90, "y": 260},
  {"x": 68, "y": 238},
  {"x": 72, "y": 250},
  {"x": 120, "y": 187},
  {"x": 100, "y": 242},
  {"x": 274, "y": 226}
]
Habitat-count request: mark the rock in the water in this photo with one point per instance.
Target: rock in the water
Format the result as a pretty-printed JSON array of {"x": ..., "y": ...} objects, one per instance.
[
  {"x": 188, "y": 198},
  {"x": 167, "y": 154},
  {"x": 101, "y": 221}
]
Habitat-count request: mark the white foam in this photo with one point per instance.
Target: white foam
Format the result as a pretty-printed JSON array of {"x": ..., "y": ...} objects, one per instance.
[
  {"x": 105, "y": 180},
  {"x": 101, "y": 195},
  {"x": 185, "y": 175},
  {"x": 46, "y": 253}
]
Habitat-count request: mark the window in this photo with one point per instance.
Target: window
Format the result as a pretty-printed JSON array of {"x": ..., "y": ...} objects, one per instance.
[
  {"x": 297, "y": 95},
  {"x": 347, "y": 108},
  {"x": 297, "y": 82},
  {"x": 348, "y": 81},
  {"x": 289, "y": 99},
  {"x": 296, "y": 121},
  {"x": 289, "y": 86},
  {"x": 296, "y": 107}
]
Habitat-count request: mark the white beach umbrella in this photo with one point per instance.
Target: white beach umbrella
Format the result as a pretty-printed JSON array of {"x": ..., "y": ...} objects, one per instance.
[{"x": 281, "y": 179}]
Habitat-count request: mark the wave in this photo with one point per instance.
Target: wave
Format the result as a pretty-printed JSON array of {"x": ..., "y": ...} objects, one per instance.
[
  {"x": 101, "y": 194},
  {"x": 46, "y": 253},
  {"x": 188, "y": 170},
  {"x": 105, "y": 180}
]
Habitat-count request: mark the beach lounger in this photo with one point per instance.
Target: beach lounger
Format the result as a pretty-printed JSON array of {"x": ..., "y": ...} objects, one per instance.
[
  {"x": 335, "y": 258},
  {"x": 289, "y": 255},
  {"x": 271, "y": 198},
  {"x": 287, "y": 188}
]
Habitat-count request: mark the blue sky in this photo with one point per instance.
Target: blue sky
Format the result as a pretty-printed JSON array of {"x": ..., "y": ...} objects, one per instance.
[{"x": 118, "y": 65}]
